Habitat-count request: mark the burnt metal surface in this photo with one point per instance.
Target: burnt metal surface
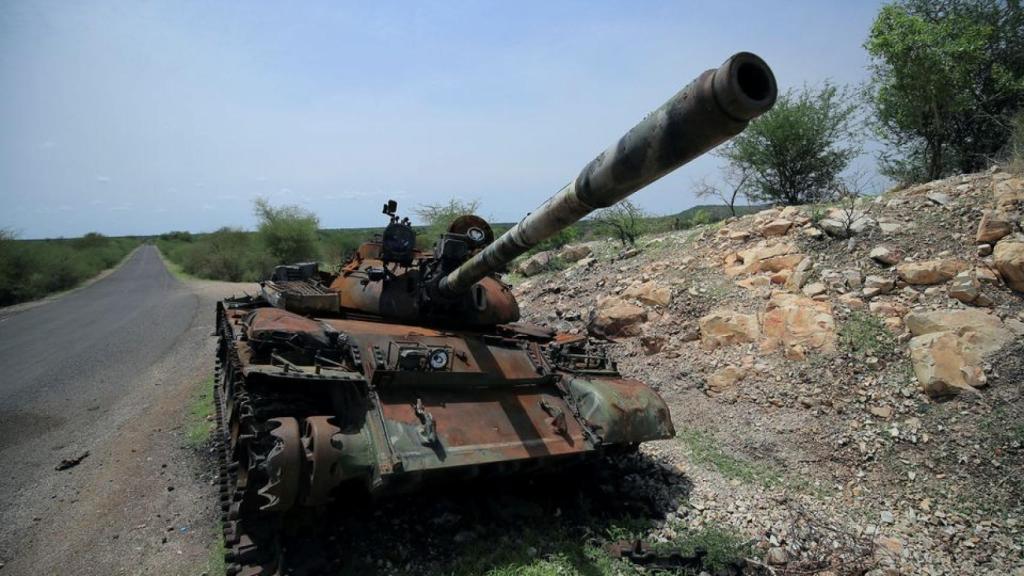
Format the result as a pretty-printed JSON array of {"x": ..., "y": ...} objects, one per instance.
[{"x": 407, "y": 367}]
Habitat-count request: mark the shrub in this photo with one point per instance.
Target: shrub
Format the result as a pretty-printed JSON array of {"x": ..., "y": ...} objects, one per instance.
[
  {"x": 624, "y": 221},
  {"x": 289, "y": 233},
  {"x": 227, "y": 254},
  {"x": 795, "y": 153},
  {"x": 31, "y": 269},
  {"x": 565, "y": 236},
  {"x": 701, "y": 218}
]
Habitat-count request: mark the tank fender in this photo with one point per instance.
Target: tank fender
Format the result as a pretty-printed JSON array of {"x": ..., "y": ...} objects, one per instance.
[
  {"x": 621, "y": 411},
  {"x": 264, "y": 324}
]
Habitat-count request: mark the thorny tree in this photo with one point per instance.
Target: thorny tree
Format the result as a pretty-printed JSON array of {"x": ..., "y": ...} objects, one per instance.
[
  {"x": 731, "y": 189},
  {"x": 796, "y": 152},
  {"x": 625, "y": 220}
]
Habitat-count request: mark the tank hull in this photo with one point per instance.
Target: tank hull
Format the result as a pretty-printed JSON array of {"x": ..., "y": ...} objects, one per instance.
[{"x": 507, "y": 401}]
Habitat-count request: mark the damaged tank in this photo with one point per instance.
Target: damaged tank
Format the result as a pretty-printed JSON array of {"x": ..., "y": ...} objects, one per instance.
[{"x": 410, "y": 366}]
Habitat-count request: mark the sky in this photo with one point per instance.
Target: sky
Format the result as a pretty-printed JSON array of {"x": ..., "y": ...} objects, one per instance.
[{"x": 143, "y": 117}]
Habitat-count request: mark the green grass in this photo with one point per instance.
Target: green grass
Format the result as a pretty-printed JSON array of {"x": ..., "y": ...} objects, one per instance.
[
  {"x": 1004, "y": 426},
  {"x": 198, "y": 425},
  {"x": 864, "y": 334},
  {"x": 706, "y": 451},
  {"x": 215, "y": 562},
  {"x": 31, "y": 269},
  {"x": 568, "y": 552},
  {"x": 176, "y": 270}
]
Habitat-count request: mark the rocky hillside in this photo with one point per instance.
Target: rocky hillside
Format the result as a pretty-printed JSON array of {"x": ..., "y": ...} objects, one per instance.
[{"x": 846, "y": 380}]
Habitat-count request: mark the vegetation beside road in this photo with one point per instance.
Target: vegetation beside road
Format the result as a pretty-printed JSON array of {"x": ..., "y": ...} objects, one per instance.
[
  {"x": 289, "y": 234},
  {"x": 31, "y": 269}
]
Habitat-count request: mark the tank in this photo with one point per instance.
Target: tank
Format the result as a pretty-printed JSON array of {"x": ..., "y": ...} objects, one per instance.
[{"x": 407, "y": 367}]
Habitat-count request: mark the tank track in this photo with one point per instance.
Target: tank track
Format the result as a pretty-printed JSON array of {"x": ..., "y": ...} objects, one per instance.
[{"x": 250, "y": 545}]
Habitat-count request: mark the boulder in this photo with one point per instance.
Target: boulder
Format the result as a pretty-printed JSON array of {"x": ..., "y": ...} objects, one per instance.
[
  {"x": 889, "y": 228},
  {"x": 795, "y": 215},
  {"x": 755, "y": 282},
  {"x": 777, "y": 227},
  {"x": 875, "y": 285},
  {"x": 993, "y": 226},
  {"x": 965, "y": 288},
  {"x": 930, "y": 271},
  {"x": 1009, "y": 195},
  {"x": 1009, "y": 260},
  {"x": 842, "y": 223},
  {"x": 575, "y": 252},
  {"x": 945, "y": 364},
  {"x": 781, "y": 263},
  {"x": 812, "y": 233},
  {"x": 724, "y": 379},
  {"x": 726, "y": 327},
  {"x": 651, "y": 292},
  {"x": 854, "y": 279},
  {"x": 887, "y": 309},
  {"x": 798, "y": 323},
  {"x": 763, "y": 257},
  {"x": 885, "y": 255},
  {"x": 852, "y": 302},
  {"x": 815, "y": 289},
  {"x": 798, "y": 277},
  {"x": 938, "y": 198},
  {"x": 535, "y": 264},
  {"x": 980, "y": 328},
  {"x": 614, "y": 317}
]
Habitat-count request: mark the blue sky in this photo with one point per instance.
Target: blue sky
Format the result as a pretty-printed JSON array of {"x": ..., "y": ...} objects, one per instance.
[{"x": 143, "y": 117}]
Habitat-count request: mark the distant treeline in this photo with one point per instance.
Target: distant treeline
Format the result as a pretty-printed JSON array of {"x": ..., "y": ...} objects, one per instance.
[
  {"x": 289, "y": 234},
  {"x": 31, "y": 269}
]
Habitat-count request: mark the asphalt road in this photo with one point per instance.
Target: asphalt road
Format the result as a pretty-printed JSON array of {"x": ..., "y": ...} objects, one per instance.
[
  {"x": 108, "y": 369},
  {"x": 65, "y": 363}
]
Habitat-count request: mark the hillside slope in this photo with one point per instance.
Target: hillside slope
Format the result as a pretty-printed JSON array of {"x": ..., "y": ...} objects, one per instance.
[{"x": 847, "y": 383}]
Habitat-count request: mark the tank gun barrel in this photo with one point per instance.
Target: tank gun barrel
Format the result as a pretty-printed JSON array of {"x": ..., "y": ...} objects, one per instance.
[{"x": 716, "y": 106}]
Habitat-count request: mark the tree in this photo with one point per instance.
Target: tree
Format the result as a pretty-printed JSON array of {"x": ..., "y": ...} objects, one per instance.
[
  {"x": 795, "y": 153},
  {"x": 624, "y": 220},
  {"x": 289, "y": 233},
  {"x": 1014, "y": 153},
  {"x": 947, "y": 76},
  {"x": 735, "y": 180},
  {"x": 437, "y": 217}
]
